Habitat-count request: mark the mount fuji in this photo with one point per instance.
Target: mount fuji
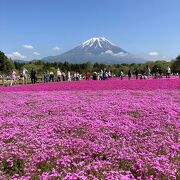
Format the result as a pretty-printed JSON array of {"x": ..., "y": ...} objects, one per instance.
[{"x": 97, "y": 49}]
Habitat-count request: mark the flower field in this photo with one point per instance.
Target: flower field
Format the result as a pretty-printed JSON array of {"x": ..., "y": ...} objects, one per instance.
[{"x": 91, "y": 130}]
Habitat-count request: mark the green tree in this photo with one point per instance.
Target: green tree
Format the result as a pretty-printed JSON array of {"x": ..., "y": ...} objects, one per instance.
[
  {"x": 176, "y": 65},
  {"x": 6, "y": 65},
  {"x": 160, "y": 65}
]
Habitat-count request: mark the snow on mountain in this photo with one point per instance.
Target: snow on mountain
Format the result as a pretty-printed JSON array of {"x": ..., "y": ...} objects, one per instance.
[
  {"x": 98, "y": 41},
  {"x": 99, "y": 45},
  {"x": 96, "y": 49}
]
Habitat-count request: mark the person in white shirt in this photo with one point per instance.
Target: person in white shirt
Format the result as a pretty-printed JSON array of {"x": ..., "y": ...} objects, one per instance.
[
  {"x": 59, "y": 75},
  {"x": 168, "y": 73},
  {"x": 69, "y": 76},
  {"x": 148, "y": 72},
  {"x": 122, "y": 74},
  {"x": 109, "y": 74},
  {"x": 25, "y": 76}
]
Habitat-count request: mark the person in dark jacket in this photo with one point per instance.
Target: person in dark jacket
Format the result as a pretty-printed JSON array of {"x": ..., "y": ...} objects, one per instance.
[
  {"x": 160, "y": 73},
  {"x": 136, "y": 73},
  {"x": 129, "y": 74},
  {"x": 51, "y": 76},
  {"x": 95, "y": 76},
  {"x": 33, "y": 76}
]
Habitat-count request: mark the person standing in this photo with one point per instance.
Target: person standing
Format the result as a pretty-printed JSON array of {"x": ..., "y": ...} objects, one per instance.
[
  {"x": 101, "y": 75},
  {"x": 160, "y": 73},
  {"x": 168, "y": 72},
  {"x": 95, "y": 76},
  {"x": 88, "y": 75},
  {"x": 136, "y": 73},
  {"x": 121, "y": 74},
  {"x": 109, "y": 74},
  {"x": 129, "y": 74},
  {"x": 104, "y": 74},
  {"x": 59, "y": 75},
  {"x": 149, "y": 72},
  {"x": 33, "y": 76},
  {"x": 69, "y": 76},
  {"x": 13, "y": 76},
  {"x": 77, "y": 76},
  {"x": 63, "y": 76},
  {"x": 46, "y": 76},
  {"x": 25, "y": 75},
  {"x": 156, "y": 73},
  {"x": 51, "y": 76}
]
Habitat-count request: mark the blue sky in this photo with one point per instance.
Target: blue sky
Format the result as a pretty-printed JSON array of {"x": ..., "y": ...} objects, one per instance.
[{"x": 32, "y": 29}]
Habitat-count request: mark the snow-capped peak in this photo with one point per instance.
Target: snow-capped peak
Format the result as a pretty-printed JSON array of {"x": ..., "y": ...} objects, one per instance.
[
  {"x": 97, "y": 49},
  {"x": 98, "y": 41}
]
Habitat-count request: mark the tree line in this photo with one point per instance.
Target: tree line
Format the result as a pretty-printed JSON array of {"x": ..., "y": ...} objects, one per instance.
[{"x": 7, "y": 65}]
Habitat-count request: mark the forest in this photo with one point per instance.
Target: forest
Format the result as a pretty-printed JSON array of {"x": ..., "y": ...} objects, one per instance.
[{"x": 7, "y": 65}]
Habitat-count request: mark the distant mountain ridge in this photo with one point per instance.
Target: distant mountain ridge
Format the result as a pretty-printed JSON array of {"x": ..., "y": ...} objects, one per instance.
[
  {"x": 96, "y": 49},
  {"x": 20, "y": 61}
]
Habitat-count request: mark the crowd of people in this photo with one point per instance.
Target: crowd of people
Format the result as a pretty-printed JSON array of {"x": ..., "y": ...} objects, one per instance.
[
  {"x": 50, "y": 76},
  {"x": 157, "y": 75}
]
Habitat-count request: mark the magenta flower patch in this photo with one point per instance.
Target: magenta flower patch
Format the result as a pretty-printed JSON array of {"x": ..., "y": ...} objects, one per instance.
[{"x": 90, "y": 130}]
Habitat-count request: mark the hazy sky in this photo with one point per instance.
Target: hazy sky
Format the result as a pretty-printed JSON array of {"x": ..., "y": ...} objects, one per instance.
[{"x": 32, "y": 29}]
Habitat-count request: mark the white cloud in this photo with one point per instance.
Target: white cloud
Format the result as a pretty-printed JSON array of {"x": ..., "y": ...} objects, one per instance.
[
  {"x": 120, "y": 54},
  {"x": 28, "y": 46},
  {"x": 16, "y": 55},
  {"x": 154, "y": 53},
  {"x": 56, "y": 48},
  {"x": 109, "y": 52},
  {"x": 115, "y": 54},
  {"x": 36, "y": 53}
]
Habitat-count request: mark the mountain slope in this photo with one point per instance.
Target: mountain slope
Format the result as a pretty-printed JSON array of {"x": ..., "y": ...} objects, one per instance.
[{"x": 96, "y": 50}]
